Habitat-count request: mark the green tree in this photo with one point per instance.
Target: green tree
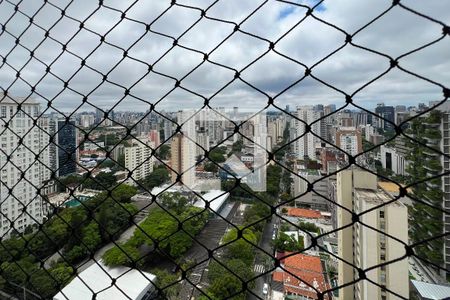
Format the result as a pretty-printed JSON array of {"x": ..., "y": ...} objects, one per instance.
[
  {"x": 174, "y": 202},
  {"x": 165, "y": 281},
  {"x": 102, "y": 181},
  {"x": 237, "y": 146},
  {"x": 164, "y": 152},
  {"x": 310, "y": 227},
  {"x": 159, "y": 176},
  {"x": 124, "y": 192},
  {"x": 285, "y": 242},
  {"x": 125, "y": 255},
  {"x": 217, "y": 155},
  {"x": 211, "y": 167}
]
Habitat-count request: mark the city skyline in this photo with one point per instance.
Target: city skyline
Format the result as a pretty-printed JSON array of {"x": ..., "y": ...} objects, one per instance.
[{"x": 224, "y": 149}]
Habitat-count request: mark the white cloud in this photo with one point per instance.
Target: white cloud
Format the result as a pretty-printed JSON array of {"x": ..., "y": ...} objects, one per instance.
[{"x": 394, "y": 34}]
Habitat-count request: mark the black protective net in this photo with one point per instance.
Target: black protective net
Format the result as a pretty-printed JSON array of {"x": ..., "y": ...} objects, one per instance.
[{"x": 196, "y": 251}]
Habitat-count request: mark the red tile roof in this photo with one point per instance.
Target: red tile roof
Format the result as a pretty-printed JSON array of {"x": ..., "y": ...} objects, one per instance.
[
  {"x": 308, "y": 269},
  {"x": 304, "y": 262},
  {"x": 304, "y": 213}
]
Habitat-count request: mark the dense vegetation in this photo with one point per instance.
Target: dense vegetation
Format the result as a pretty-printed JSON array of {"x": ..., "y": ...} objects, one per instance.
[
  {"x": 161, "y": 226},
  {"x": 75, "y": 232},
  {"x": 239, "y": 257},
  {"x": 424, "y": 163},
  {"x": 159, "y": 176},
  {"x": 309, "y": 227},
  {"x": 286, "y": 242}
]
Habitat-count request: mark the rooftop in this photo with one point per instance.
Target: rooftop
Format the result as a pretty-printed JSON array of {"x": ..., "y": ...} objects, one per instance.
[
  {"x": 304, "y": 213},
  {"x": 431, "y": 291},
  {"x": 390, "y": 187},
  {"x": 8, "y": 100},
  {"x": 311, "y": 172},
  {"x": 301, "y": 273},
  {"x": 378, "y": 196},
  {"x": 129, "y": 284},
  {"x": 215, "y": 198}
]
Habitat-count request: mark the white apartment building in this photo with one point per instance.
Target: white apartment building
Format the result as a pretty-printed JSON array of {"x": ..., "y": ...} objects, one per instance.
[
  {"x": 349, "y": 140},
  {"x": 139, "y": 159},
  {"x": 21, "y": 174},
  {"x": 305, "y": 146},
  {"x": 87, "y": 120},
  {"x": 392, "y": 160},
  {"x": 364, "y": 247},
  {"x": 202, "y": 141}
]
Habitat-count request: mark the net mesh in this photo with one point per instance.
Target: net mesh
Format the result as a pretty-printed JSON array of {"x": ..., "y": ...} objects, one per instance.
[{"x": 193, "y": 250}]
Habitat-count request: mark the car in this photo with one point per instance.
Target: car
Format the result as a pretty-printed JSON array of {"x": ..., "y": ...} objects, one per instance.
[{"x": 265, "y": 289}]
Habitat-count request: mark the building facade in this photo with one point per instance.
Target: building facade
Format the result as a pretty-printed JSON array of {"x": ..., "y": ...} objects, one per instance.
[
  {"x": 367, "y": 243},
  {"x": 22, "y": 175},
  {"x": 349, "y": 139},
  {"x": 310, "y": 199},
  {"x": 67, "y": 147},
  {"x": 139, "y": 159},
  {"x": 392, "y": 160},
  {"x": 306, "y": 142}
]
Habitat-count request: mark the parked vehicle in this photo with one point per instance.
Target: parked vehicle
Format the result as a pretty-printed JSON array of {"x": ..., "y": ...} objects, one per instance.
[{"x": 265, "y": 289}]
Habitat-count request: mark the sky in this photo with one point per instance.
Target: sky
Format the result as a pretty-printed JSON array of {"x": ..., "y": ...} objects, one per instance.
[{"x": 265, "y": 72}]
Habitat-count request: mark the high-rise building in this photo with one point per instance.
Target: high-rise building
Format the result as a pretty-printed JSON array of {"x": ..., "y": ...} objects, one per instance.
[
  {"x": 67, "y": 147},
  {"x": 154, "y": 137},
  {"x": 168, "y": 129},
  {"x": 202, "y": 142},
  {"x": 386, "y": 113},
  {"x": 20, "y": 142},
  {"x": 393, "y": 160},
  {"x": 365, "y": 244},
  {"x": 183, "y": 150},
  {"x": 360, "y": 118},
  {"x": 49, "y": 155},
  {"x": 425, "y": 163},
  {"x": 445, "y": 163},
  {"x": 349, "y": 139},
  {"x": 139, "y": 159},
  {"x": 306, "y": 143},
  {"x": 99, "y": 114},
  {"x": 87, "y": 120},
  {"x": 179, "y": 161}
]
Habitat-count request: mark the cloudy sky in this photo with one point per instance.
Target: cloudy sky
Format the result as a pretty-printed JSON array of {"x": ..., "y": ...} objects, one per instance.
[{"x": 396, "y": 33}]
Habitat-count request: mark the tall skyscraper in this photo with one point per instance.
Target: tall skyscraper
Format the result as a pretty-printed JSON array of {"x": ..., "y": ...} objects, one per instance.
[
  {"x": 21, "y": 141},
  {"x": 432, "y": 128},
  {"x": 445, "y": 163},
  {"x": 306, "y": 144},
  {"x": 183, "y": 150},
  {"x": 179, "y": 161},
  {"x": 386, "y": 113},
  {"x": 67, "y": 147},
  {"x": 365, "y": 243},
  {"x": 168, "y": 129},
  {"x": 99, "y": 114}
]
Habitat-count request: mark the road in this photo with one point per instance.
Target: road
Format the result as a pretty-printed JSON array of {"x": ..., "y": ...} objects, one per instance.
[{"x": 261, "y": 260}]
